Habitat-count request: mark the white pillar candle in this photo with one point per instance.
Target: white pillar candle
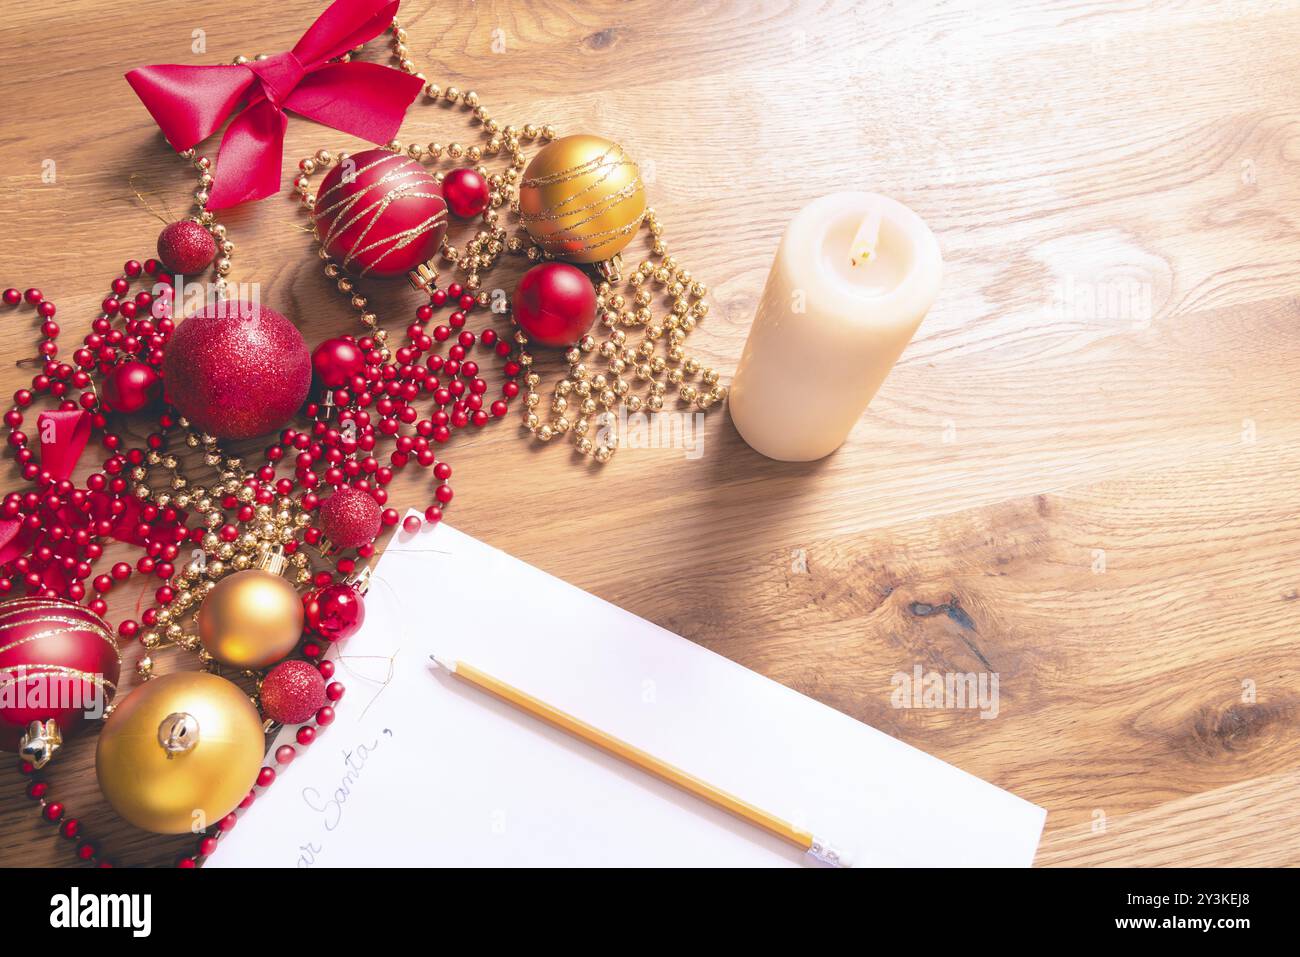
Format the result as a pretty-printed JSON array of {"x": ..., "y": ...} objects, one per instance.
[{"x": 853, "y": 277}]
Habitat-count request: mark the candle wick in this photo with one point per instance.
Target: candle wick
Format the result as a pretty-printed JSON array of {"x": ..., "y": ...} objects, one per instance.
[{"x": 863, "y": 248}]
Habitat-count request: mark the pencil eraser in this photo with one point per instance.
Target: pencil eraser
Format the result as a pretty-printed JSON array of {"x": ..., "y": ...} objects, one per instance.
[{"x": 829, "y": 854}]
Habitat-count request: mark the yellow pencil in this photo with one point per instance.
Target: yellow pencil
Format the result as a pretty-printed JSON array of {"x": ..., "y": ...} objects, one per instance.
[{"x": 804, "y": 840}]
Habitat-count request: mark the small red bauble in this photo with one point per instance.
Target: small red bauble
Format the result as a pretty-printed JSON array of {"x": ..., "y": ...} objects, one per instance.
[
  {"x": 380, "y": 213},
  {"x": 350, "y": 517},
  {"x": 337, "y": 361},
  {"x": 186, "y": 247},
  {"x": 237, "y": 369},
  {"x": 555, "y": 303},
  {"x": 131, "y": 387},
  {"x": 466, "y": 192},
  {"x": 334, "y": 612},
  {"x": 58, "y": 661},
  {"x": 292, "y": 692}
]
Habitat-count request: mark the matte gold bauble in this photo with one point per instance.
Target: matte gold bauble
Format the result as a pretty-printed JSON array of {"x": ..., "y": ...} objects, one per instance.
[
  {"x": 180, "y": 752},
  {"x": 582, "y": 199},
  {"x": 251, "y": 619}
]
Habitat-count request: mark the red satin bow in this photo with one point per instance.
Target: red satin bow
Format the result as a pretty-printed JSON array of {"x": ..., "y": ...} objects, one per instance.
[{"x": 365, "y": 99}]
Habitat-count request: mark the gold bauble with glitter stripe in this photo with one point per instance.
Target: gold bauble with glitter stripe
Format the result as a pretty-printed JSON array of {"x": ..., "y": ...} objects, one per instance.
[
  {"x": 180, "y": 752},
  {"x": 582, "y": 199}
]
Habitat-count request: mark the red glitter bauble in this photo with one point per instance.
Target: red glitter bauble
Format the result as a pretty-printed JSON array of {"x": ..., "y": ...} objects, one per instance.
[
  {"x": 186, "y": 247},
  {"x": 237, "y": 370},
  {"x": 292, "y": 692},
  {"x": 555, "y": 303},
  {"x": 58, "y": 661},
  {"x": 131, "y": 387},
  {"x": 380, "y": 213},
  {"x": 466, "y": 192},
  {"x": 334, "y": 612},
  {"x": 350, "y": 517},
  {"x": 337, "y": 361}
]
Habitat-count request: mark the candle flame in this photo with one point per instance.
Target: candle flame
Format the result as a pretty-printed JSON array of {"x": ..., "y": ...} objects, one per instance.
[{"x": 863, "y": 247}]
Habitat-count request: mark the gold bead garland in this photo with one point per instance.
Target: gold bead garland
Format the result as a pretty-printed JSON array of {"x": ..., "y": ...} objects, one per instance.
[{"x": 272, "y": 526}]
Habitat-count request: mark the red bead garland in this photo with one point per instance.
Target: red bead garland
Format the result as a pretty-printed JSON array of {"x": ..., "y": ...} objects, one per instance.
[
  {"x": 58, "y": 524},
  {"x": 55, "y": 813},
  {"x": 60, "y": 528},
  {"x": 379, "y": 403}
]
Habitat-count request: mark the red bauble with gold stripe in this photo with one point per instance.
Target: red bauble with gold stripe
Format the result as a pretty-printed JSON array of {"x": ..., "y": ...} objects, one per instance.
[
  {"x": 380, "y": 213},
  {"x": 58, "y": 661}
]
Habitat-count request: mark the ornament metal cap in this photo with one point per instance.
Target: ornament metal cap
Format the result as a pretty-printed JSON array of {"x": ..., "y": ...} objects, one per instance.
[
  {"x": 41, "y": 741},
  {"x": 272, "y": 560},
  {"x": 360, "y": 580},
  {"x": 423, "y": 277},
  {"x": 178, "y": 733},
  {"x": 611, "y": 269}
]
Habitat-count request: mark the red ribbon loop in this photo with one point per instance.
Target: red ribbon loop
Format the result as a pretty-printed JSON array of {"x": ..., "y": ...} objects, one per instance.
[
  {"x": 189, "y": 103},
  {"x": 63, "y": 437}
]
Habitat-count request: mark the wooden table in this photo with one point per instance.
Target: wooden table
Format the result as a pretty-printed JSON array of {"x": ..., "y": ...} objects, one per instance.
[{"x": 1081, "y": 476}]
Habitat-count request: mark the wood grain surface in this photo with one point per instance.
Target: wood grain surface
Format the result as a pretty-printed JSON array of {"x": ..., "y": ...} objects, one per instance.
[{"x": 1081, "y": 476}]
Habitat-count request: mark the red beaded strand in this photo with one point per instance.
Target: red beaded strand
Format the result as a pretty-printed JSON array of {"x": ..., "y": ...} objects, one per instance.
[
  {"x": 60, "y": 558},
  {"x": 54, "y": 812},
  {"x": 65, "y": 524},
  {"x": 390, "y": 388}
]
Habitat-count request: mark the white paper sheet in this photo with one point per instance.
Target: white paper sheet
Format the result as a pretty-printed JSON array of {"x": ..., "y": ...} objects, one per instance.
[{"x": 421, "y": 769}]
